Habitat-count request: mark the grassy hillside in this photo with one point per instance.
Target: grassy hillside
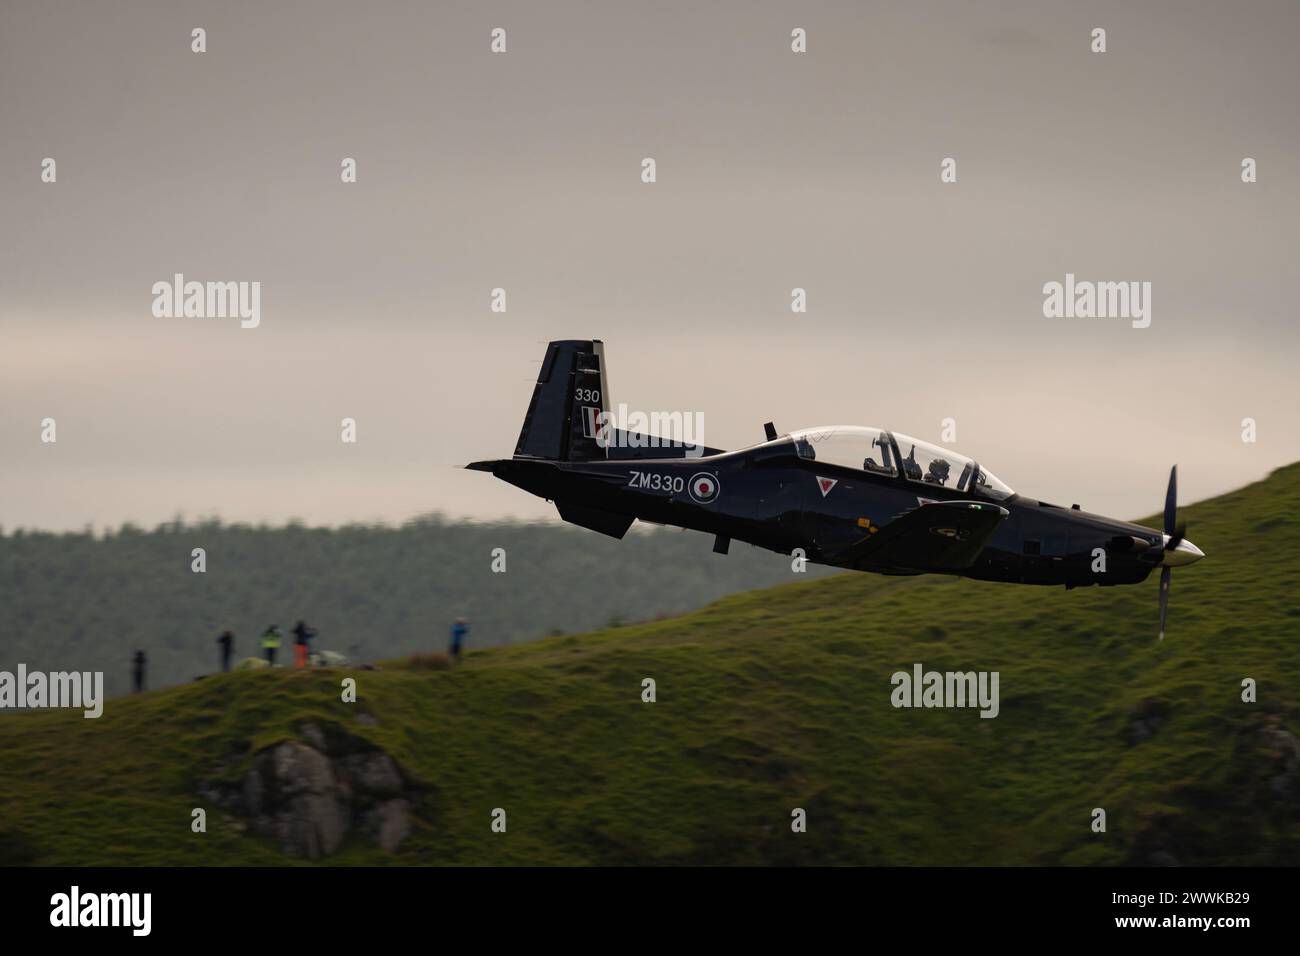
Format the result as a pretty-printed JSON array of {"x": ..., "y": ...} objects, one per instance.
[
  {"x": 89, "y": 602},
  {"x": 766, "y": 701}
]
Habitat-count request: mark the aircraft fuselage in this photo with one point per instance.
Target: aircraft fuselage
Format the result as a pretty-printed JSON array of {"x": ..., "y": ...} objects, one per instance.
[{"x": 768, "y": 497}]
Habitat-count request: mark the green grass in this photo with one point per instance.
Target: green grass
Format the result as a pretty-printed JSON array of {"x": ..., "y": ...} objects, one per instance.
[{"x": 767, "y": 701}]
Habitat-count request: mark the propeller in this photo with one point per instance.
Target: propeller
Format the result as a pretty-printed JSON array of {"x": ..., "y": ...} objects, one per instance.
[
  {"x": 1173, "y": 537},
  {"x": 1171, "y": 500},
  {"x": 1165, "y": 575}
]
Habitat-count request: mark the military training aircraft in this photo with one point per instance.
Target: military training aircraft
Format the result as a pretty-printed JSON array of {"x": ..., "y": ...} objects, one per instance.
[{"x": 866, "y": 499}]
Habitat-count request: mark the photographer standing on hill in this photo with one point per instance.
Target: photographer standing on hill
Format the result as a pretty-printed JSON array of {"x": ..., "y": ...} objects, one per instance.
[
  {"x": 458, "y": 632},
  {"x": 301, "y": 635},
  {"x": 271, "y": 643},
  {"x": 138, "y": 664},
  {"x": 227, "y": 642}
]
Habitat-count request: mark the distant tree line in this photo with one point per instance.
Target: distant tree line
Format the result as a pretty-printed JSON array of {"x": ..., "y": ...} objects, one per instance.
[{"x": 81, "y": 601}]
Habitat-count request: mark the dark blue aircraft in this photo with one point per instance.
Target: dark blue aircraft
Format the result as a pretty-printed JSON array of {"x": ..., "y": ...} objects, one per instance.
[{"x": 868, "y": 499}]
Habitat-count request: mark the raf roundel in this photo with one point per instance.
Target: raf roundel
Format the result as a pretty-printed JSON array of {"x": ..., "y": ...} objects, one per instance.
[{"x": 704, "y": 488}]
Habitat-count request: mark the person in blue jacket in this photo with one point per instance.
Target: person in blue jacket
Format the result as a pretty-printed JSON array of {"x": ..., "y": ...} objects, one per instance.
[{"x": 458, "y": 632}]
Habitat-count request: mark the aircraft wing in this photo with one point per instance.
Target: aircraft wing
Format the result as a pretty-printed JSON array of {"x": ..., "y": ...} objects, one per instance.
[{"x": 936, "y": 536}]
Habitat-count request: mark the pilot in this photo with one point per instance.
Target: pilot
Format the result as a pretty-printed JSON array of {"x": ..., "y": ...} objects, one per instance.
[{"x": 938, "y": 472}]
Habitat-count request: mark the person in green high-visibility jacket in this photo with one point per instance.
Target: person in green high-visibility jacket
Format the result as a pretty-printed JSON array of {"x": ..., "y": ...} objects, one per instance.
[{"x": 271, "y": 643}]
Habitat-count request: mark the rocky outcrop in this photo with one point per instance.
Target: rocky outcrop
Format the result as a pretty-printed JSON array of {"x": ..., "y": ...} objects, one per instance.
[
  {"x": 308, "y": 795},
  {"x": 291, "y": 793}
]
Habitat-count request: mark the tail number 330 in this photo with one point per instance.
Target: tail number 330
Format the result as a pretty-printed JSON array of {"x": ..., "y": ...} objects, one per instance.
[{"x": 652, "y": 481}]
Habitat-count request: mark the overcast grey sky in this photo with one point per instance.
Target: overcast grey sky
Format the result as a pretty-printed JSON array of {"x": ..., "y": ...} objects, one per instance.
[{"x": 522, "y": 170}]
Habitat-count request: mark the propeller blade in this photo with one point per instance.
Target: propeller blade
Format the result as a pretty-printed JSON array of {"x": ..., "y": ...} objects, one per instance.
[
  {"x": 1176, "y": 538},
  {"x": 1171, "y": 501},
  {"x": 1165, "y": 575}
]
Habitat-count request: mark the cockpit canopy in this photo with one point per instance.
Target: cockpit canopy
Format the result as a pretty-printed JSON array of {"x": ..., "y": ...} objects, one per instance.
[{"x": 879, "y": 452}]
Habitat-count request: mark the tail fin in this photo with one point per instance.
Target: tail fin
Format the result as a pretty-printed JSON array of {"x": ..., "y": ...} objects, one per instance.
[{"x": 569, "y": 405}]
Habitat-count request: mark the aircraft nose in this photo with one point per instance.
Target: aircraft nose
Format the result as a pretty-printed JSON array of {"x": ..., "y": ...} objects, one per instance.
[{"x": 1184, "y": 553}]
